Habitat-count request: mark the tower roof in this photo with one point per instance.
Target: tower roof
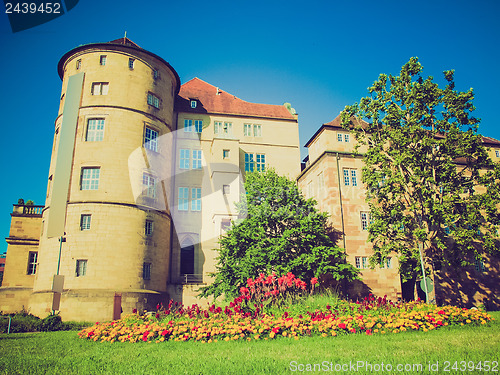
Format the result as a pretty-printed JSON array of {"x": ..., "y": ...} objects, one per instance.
[
  {"x": 213, "y": 100},
  {"x": 121, "y": 44}
]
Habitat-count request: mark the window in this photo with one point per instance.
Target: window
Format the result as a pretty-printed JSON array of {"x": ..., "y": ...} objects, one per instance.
[
  {"x": 497, "y": 153},
  {"x": 321, "y": 184},
  {"x": 387, "y": 263},
  {"x": 193, "y": 103},
  {"x": 131, "y": 63},
  {"x": 261, "y": 162},
  {"x": 247, "y": 130},
  {"x": 361, "y": 262},
  {"x": 85, "y": 222},
  {"x": 153, "y": 100},
  {"x": 226, "y": 189},
  {"x": 149, "y": 185},
  {"x": 479, "y": 265},
  {"x": 184, "y": 159},
  {"x": 81, "y": 267},
  {"x": 257, "y": 131},
  {"x": 32, "y": 262},
  {"x": 102, "y": 60},
  {"x": 225, "y": 154},
  {"x": 188, "y": 126},
  {"x": 146, "y": 271},
  {"x": 350, "y": 177},
  {"x": 225, "y": 224},
  {"x": 346, "y": 138},
  {"x": 100, "y": 88},
  {"x": 148, "y": 228},
  {"x": 249, "y": 163},
  {"x": 223, "y": 128},
  {"x": 156, "y": 74},
  {"x": 365, "y": 220},
  {"x": 339, "y": 137},
  {"x": 90, "y": 179},
  {"x": 78, "y": 64},
  {"x": 196, "y": 199},
  {"x": 198, "y": 126},
  {"x": 95, "y": 130},
  {"x": 196, "y": 159},
  {"x": 183, "y": 204},
  {"x": 151, "y": 139}
]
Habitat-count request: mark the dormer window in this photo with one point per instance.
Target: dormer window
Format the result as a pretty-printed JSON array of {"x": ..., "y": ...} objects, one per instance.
[{"x": 194, "y": 103}]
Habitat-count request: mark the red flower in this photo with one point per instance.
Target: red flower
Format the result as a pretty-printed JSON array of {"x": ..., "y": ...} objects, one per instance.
[
  {"x": 314, "y": 281},
  {"x": 369, "y": 332},
  {"x": 134, "y": 311},
  {"x": 342, "y": 326}
]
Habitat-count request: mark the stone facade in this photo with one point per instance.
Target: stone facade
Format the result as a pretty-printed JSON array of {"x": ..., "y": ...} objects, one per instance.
[{"x": 332, "y": 176}]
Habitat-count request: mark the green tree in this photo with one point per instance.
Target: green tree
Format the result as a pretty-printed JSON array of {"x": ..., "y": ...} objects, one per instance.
[
  {"x": 429, "y": 179},
  {"x": 280, "y": 231}
]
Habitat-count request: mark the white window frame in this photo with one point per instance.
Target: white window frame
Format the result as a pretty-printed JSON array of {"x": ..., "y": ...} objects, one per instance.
[
  {"x": 153, "y": 100},
  {"x": 188, "y": 126},
  {"x": 184, "y": 158},
  {"x": 95, "y": 130},
  {"x": 193, "y": 103},
  {"x": 350, "y": 177},
  {"x": 198, "y": 126},
  {"x": 32, "y": 262},
  {"x": 260, "y": 162},
  {"x": 85, "y": 221},
  {"x": 339, "y": 137},
  {"x": 226, "y": 189},
  {"x": 365, "y": 220},
  {"x": 497, "y": 153},
  {"x": 149, "y": 185},
  {"x": 196, "y": 199},
  {"x": 151, "y": 139},
  {"x": 247, "y": 130},
  {"x": 257, "y": 130},
  {"x": 249, "y": 162},
  {"x": 100, "y": 88},
  {"x": 131, "y": 63},
  {"x": 225, "y": 154},
  {"x": 346, "y": 138},
  {"x": 102, "y": 60},
  {"x": 196, "y": 159},
  {"x": 78, "y": 64},
  {"x": 89, "y": 178},
  {"x": 81, "y": 267},
  {"x": 183, "y": 199}
]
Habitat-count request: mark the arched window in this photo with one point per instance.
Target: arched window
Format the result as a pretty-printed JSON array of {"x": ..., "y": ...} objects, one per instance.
[{"x": 187, "y": 257}]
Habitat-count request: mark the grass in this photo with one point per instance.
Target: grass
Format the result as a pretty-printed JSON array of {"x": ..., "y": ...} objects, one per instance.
[{"x": 65, "y": 353}]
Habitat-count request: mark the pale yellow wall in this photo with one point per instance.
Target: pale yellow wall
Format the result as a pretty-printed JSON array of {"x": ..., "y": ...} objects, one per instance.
[{"x": 116, "y": 246}]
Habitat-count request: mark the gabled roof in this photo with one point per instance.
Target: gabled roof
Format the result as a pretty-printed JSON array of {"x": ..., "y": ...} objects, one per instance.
[
  {"x": 215, "y": 101},
  {"x": 336, "y": 124}
]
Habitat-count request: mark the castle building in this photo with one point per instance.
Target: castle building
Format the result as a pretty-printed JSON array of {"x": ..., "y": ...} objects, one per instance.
[
  {"x": 331, "y": 174},
  {"x": 143, "y": 178},
  {"x": 142, "y": 182}
]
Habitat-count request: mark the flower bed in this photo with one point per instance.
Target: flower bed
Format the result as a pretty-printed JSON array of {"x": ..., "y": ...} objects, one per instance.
[{"x": 254, "y": 316}]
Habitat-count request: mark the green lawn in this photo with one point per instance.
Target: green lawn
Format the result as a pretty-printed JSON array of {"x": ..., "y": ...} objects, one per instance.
[{"x": 65, "y": 353}]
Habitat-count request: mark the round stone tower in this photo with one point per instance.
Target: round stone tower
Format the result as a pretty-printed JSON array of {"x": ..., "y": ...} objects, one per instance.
[{"x": 115, "y": 248}]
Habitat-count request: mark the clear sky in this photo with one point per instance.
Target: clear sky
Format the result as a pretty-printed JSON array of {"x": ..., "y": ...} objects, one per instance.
[{"x": 317, "y": 55}]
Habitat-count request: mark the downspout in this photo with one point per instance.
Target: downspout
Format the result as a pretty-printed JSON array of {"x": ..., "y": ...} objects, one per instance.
[{"x": 340, "y": 199}]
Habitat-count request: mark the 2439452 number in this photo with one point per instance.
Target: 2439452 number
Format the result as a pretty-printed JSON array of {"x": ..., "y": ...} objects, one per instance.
[
  {"x": 463, "y": 366},
  {"x": 25, "y": 8}
]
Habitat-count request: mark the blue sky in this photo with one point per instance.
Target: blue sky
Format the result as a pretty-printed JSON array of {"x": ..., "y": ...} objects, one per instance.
[{"x": 317, "y": 55}]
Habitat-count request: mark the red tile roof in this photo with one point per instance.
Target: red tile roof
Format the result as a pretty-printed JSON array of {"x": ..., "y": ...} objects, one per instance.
[{"x": 215, "y": 101}]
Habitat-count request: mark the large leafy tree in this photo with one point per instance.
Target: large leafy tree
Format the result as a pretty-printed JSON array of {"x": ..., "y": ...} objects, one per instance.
[
  {"x": 429, "y": 179},
  {"x": 280, "y": 231}
]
